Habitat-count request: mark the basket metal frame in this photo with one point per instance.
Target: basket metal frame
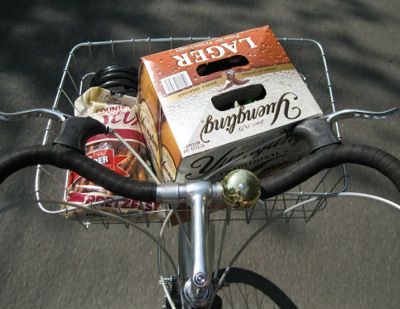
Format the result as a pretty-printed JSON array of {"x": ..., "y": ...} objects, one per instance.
[{"x": 268, "y": 208}]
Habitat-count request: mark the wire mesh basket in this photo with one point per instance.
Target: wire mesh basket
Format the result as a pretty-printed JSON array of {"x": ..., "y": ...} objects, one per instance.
[{"x": 86, "y": 58}]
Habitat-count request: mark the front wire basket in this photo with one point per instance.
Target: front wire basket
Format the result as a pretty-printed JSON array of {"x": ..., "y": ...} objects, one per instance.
[{"x": 86, "y": 58}]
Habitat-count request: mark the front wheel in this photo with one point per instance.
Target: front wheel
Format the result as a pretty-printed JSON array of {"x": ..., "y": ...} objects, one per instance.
[{"x": 243, "y": 288}]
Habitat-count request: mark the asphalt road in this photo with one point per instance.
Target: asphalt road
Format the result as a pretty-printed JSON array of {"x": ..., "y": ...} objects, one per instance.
[{"x": 345, "y": 257}]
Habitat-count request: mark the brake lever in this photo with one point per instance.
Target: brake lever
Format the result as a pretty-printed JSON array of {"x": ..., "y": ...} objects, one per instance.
[
  {"x": 74, "y": 132},
  {"x": 317, "y": 132},
  {"x": 35, "y": 113},
  {"x": 358, "y": 113}
]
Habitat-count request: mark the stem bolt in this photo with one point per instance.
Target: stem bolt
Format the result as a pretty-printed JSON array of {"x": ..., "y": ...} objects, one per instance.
[{"x": 200, "y": 279}]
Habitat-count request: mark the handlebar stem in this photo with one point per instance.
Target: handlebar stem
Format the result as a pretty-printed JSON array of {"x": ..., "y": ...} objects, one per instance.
[
  {"x": 197, "y": 288},
  {"x": 199, "y": 196}
]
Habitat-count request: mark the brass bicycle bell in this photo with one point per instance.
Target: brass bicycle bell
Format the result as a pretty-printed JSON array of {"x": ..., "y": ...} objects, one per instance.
[{"x": 241, "y": 188}]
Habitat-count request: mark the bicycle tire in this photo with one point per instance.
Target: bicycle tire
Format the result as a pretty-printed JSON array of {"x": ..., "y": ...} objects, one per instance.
[{"x": 274, "y": 294}]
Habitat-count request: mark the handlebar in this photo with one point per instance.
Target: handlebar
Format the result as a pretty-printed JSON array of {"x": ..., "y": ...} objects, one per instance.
[
  {"x": 327, "y": 157},
  {"x": 67, "y": 152}
]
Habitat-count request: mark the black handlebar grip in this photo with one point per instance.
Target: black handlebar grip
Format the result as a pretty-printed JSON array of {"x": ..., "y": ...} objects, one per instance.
[
  {"x": 75, "y": 131},
  {"x": 62, "y": 157},
  {"x": 329, "y": 157}
]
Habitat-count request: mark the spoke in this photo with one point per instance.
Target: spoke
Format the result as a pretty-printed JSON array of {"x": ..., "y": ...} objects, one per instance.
[
  {"x": 242, "y": 295},
  {"x": 259, "y": 299},
  {"x": 230, "y": 295}
]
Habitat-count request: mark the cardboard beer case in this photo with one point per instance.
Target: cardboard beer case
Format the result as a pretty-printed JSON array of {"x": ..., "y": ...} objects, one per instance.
[{"x": 221, "y": 104}]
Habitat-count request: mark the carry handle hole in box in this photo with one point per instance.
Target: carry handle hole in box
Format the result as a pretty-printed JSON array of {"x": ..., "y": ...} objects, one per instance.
[{"x": 240, "y": 96}]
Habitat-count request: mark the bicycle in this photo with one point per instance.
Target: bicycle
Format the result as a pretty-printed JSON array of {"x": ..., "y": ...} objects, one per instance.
[{"x": 193, "y": 284}]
